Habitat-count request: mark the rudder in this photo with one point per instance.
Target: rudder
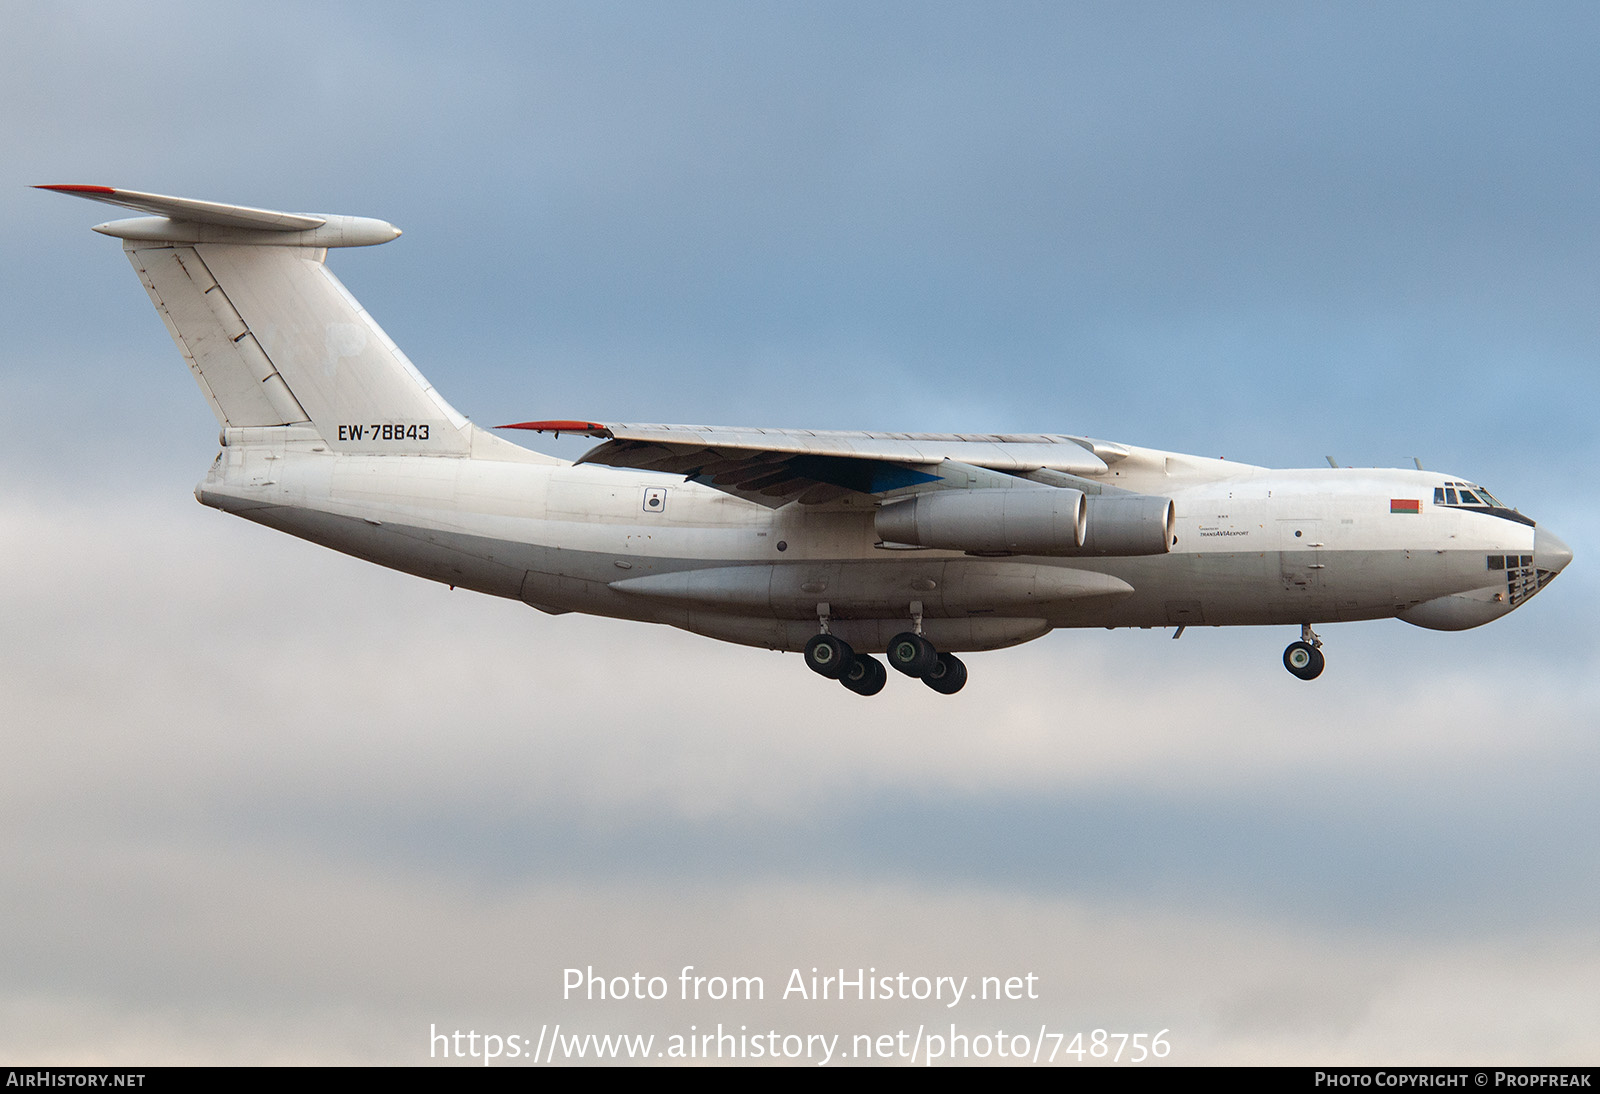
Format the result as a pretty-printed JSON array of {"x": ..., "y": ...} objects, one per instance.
[{"x": 235, "y": 374}]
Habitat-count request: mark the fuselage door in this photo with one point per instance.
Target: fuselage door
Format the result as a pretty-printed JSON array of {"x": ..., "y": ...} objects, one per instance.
[{"x": 1300, "y": 544}]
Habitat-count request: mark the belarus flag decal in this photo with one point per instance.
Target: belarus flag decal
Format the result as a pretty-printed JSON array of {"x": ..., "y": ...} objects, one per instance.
[{"x": 1405, "y": 505}]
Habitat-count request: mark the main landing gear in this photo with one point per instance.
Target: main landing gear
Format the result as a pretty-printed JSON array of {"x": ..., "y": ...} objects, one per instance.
[
  {"x": 915, "y": 656},
  {"x": 832, "y": 657},
  {"x": 1304, "y": 658},
  {"x": 909, "y": 652}
]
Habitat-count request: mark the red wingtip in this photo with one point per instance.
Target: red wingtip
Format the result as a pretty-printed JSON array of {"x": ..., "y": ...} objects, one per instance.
[
  {"x": 72, "y": 189},
  {"x": 591, "y": 429}
]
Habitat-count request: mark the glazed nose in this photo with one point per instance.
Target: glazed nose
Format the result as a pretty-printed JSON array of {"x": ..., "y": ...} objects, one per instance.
[{"x": 1549, "y": 553}]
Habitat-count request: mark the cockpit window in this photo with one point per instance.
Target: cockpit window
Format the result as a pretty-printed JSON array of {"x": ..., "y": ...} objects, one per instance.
[
  {"x": 1464, "y": 493},
  {"x": 1471, "y": 496}
]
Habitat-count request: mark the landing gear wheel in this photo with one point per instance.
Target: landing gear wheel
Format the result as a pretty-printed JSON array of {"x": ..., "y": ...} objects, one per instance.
[
  {"x": 912, "y": 654},
  {"x": 1304, "y": 660},
  {"x": 828, "y": 656},
  {"x": 865, "y": 675},
  {"x": 948, "y": 675}
]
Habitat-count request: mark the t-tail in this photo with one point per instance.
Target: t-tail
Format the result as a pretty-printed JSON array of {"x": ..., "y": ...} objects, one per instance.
[{"x": 272, "y": 337}]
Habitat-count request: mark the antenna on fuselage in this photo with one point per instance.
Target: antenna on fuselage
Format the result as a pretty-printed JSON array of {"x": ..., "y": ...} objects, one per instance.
[
  {"x": 1417, "y": 461},
  {"x": 1332, "y": 462}
]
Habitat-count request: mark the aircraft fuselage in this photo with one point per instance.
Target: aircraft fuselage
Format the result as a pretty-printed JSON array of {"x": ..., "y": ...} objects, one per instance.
[{"x": 1251, "y": 546}]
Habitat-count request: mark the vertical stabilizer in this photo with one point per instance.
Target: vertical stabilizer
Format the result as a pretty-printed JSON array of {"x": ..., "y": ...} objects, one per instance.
[{"x": 270, "y": 334}]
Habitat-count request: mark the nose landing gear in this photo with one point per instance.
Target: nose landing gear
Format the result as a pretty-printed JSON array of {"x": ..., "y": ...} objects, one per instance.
[{"x": 1304, "y": 658}]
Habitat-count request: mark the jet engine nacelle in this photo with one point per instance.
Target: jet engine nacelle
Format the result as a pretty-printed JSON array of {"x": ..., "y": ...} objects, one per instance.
[
  {"x": 1030, "y": 521},
  {"x": 1129, "y": 524},
  {"x": 1027, "y": 521}
]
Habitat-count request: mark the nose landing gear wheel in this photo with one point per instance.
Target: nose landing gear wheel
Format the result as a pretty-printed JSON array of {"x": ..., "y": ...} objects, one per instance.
[
  {"x": 865, "y": 675},
  {"x": 828, "y": 656},
  {"x": 912, "y": 654},
  {"x": 1303, "y": 660},
  {"x": 948, "y": 675}
]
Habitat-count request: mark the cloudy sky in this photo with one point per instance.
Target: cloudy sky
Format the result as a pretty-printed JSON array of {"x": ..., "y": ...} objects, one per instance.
[{"x": 263, "y": 803}]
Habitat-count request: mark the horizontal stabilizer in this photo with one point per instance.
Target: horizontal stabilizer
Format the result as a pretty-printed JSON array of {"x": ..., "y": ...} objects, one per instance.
[
  {"x": 197, "y": 212},
  {"x": 185, "y": 220}
]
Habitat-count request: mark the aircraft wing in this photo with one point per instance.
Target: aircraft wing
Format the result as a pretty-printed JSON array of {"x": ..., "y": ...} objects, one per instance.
[{"x": 776, "y": 466}]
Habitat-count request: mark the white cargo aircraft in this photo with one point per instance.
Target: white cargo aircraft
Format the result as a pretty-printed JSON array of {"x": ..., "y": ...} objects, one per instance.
[{"x": 840, "y": 544}]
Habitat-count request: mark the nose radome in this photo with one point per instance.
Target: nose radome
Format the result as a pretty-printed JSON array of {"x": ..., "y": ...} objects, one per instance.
[{"x": 1549, "y": 553}]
